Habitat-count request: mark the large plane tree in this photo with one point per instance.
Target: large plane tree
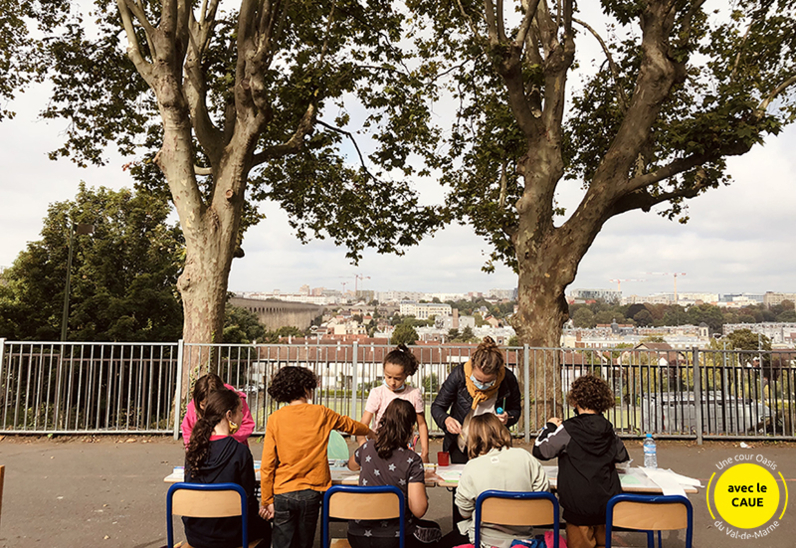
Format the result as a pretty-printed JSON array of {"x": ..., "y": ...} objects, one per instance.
[
  {"x": 678, "y": 87},
  {"x": 233, "y": 103}
]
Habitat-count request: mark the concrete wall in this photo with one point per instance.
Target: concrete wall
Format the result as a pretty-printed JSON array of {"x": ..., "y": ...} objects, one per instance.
[{"x": 274, "y": 314}]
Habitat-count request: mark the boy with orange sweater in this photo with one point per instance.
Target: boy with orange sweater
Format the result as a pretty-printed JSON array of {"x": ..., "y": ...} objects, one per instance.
[{"x": 294, "y": 473}]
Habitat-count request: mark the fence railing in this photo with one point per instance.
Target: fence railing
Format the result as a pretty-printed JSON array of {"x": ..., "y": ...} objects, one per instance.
[{"x": 89, "y": 388}]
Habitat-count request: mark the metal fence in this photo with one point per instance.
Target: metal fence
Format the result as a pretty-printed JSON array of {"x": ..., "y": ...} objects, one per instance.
[{"x": 87, "y": 388}]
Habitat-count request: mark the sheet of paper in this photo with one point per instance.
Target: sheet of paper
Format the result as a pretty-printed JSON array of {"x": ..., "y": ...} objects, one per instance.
[
  {"x": 628, "y": 479},
  {"x": 665, "y": 480},
  {"x": 685, "y": 480}
]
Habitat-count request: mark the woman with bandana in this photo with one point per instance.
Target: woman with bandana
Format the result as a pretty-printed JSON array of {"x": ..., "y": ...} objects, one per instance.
[{"x": 482, "y": 385}]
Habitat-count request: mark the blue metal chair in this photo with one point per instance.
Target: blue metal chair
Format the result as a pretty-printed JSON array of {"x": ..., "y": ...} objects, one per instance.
[
  {"x": 650, "y": 514},
  {"x": 369, "y": 503},
  {"x": 519, "y": 508},
  {"x": 206, "y": 500}
]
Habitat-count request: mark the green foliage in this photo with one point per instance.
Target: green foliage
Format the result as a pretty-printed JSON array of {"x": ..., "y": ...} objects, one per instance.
[
  {"x": 745, "y": 339},
  {"x": 727, "y": 66},
  {"x": 22, "y": 25},
  {"x": 467, "y": 334},
  {"x": 123, "y": 275},
  {"x": 241, "y": 326},
  {"x": 583, "y": 317},
  {"x": 324, "y": 52},
  {"x": 431, "y": 383},
  {"x": 285, "y": 331},
  {"x": 404, "y": 334}
]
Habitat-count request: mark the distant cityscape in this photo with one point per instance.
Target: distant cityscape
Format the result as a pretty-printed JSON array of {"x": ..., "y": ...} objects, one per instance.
[
  {"x": 370, "y": 316},
  {"x": 325, "y": 296}
]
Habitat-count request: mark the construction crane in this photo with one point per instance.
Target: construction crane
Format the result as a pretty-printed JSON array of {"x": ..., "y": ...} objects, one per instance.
[
  {"x": 619, "y": 282},
  {"x": 358, "y": 277},
  {"x": 674, "y": 274}
]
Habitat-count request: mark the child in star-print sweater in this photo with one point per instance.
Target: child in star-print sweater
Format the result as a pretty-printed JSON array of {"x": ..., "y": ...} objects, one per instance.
[{"x": 388, "y": 461}]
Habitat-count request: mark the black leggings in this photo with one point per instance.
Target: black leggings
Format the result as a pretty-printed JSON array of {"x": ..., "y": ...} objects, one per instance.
[{"x": 410, "y": 541}]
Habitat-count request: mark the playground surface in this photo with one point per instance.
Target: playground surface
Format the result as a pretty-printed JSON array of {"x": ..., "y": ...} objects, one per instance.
[{"x": 94, "y": 491}]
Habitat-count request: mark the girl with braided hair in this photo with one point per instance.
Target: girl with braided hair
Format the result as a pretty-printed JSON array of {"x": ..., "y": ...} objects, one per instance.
[{"x": 213, "y": 456}]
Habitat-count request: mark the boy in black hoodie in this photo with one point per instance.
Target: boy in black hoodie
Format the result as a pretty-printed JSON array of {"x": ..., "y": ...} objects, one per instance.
[{"x": 587, "y": 449}]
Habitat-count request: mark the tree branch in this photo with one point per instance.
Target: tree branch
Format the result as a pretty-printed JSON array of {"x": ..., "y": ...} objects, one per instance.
[
  {"x": 740, "y": 51},
  {"x": 501, "y": 28},
  {"x": 491, "y": 23},
  {"x": 195, "y": 83},
  {"x": 777, "y": 90},
  {"x": 197, "y": 170},
  {"x": 557, "y": 66},
  {"x": 473, "y": 28},
  {"x": 620, "y": 93},
  {"x": 527, "y": 19},
  {"x": 643, "y": 200},
  {"x": 133, "y": 47},
  {"x": 356, "y": 146},
  {"x": 291, "y": 146},
  {"x": 673, "y": 168}
]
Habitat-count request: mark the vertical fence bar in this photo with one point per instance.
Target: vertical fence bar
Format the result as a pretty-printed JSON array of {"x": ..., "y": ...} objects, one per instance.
[
  {"x": 526, "y": 373},
  {"x": 355, "y": 381},
  {"x": 698, "y": 395},
  {"x": 177, "y": 404}
]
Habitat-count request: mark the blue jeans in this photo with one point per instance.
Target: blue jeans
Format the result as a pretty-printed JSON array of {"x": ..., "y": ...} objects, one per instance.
[{"x": 295, "y": 518}]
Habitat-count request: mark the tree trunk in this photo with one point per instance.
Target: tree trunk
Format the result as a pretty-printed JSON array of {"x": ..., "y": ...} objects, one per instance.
[{"x": 547, "y": 260}]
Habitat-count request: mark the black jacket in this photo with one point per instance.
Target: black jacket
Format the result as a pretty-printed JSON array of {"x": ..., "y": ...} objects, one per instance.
[
  {"x": 455, "y": 401},
  {"x": 228, "y": 461},
  {"x": 587, "y": 449}
]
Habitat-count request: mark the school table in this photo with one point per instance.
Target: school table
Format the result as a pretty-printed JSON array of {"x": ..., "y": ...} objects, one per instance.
[{"x": 634, "y": 480}]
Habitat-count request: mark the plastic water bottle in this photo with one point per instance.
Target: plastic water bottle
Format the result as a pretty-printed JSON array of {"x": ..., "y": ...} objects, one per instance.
[{"x": 650, "y": 453}]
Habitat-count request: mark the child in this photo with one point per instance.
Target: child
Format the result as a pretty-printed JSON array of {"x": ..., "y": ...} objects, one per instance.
[
  {"x": 398, "y": 365},
  {"x": 493, "y": 464},
  {"x": 588, "y": 450},
  {"x": 387, "y": 461},
  {"x": 213, "y": 456},
  {"x": 294, "y": 472},
  {"x": 205, "y": 385}
]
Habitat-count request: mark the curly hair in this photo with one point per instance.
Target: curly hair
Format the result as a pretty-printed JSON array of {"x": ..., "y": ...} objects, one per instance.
[
  {"x": 404, "y": 358},
  {"x": 591, "y": 392},
  {"x": 292, "y": 383},
  {"x": 488, "y": 358},
  {"x": 216, "y": 407},
  {"x": 203, "y": 386},
  {"x": 395, "y": 427}
]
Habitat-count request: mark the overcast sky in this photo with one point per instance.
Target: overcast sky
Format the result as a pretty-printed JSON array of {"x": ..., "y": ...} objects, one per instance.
[{"x": 739, "y": 238}]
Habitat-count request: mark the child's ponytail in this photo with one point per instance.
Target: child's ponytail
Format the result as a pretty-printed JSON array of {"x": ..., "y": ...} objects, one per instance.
[{"x": 218, "y": 403}]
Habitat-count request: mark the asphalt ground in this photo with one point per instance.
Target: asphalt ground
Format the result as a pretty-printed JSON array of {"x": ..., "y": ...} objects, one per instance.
[{"x": 69, "y": 492}]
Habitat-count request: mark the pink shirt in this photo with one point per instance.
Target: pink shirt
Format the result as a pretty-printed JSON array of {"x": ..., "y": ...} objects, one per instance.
[
  {"x": 381, "y": 396},
  {"x": 243, "y": 433}
]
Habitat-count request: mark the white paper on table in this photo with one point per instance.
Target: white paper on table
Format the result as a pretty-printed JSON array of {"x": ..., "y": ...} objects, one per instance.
[
  {"x": 450, "y": 473},
  {"x": 685, "y": 480},
  {"x": 666, "y": 480}
]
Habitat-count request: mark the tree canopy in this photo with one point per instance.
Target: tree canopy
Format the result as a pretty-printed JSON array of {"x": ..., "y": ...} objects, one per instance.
[
  {"x": 23, "y": 24},
  {"x": 123, "y": 278}
]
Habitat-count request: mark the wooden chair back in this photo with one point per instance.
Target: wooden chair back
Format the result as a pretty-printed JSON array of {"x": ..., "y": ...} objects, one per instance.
[
  {"x": 516, "y": 508},
  {"x": 650, "y": 514},
  {"x": 356, "y": 502},
  {"x": 196, "y": 500}
]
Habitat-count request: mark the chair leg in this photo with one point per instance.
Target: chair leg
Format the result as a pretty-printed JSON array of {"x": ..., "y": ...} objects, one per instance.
[{"x": 650, "y": 539}]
